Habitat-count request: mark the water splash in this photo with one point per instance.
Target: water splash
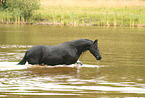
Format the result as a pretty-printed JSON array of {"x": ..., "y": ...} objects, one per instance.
[{"x": 14, "y": 66}]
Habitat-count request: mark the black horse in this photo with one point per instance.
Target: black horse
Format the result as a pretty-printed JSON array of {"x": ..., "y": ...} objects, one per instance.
[{"x": 65, "y": 53}]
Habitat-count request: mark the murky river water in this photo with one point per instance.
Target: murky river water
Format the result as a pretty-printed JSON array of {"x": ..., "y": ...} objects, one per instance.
[{"x": 121, "y": 72}]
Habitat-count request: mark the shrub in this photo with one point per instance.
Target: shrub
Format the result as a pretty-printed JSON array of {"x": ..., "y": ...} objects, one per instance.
[
  {"x": 20, "y": 8},
  {"x": 3, "y": 4}
]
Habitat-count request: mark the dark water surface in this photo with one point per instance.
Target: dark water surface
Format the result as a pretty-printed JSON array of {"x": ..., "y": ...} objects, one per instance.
[{"x": 121, "y": 72}]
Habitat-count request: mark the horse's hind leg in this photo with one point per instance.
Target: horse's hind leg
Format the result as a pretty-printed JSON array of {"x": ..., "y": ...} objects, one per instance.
[{"x": 33, "y": 61}]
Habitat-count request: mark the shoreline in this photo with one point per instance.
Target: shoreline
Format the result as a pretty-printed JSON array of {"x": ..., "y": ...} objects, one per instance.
[{"x": 75, "y": 25}]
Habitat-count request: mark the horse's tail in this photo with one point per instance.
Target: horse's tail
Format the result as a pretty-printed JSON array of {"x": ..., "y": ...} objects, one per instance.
[{"x": 23, "y": 61}]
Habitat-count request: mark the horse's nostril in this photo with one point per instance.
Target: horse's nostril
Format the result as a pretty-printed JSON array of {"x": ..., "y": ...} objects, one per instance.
[{"x": 99, "y": 58}]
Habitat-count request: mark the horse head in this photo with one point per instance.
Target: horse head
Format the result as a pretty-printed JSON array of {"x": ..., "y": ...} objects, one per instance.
[{"x": 95, "y": 50}]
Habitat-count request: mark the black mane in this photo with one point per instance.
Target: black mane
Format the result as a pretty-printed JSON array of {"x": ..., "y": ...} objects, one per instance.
[{"x": 81, "y": 44}]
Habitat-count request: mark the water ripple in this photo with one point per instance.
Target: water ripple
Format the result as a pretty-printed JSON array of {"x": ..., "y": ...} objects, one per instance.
[{"x": 48, "y": 80}]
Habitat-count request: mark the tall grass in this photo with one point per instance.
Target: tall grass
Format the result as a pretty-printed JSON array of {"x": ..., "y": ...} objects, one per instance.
[
  {"x": 88, "y": 12},
  {"x": 94, "y": 12}
]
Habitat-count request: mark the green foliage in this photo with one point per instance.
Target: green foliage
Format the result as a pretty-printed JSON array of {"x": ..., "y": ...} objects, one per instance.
[
  {"x": 21, "y": 8},
  {"x": 3, "y": 4}
]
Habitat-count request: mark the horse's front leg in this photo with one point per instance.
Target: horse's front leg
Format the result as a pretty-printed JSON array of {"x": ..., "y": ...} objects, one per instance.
[
  {"x": 78, "y": 65},
  {"x": 79, "y": 62}
]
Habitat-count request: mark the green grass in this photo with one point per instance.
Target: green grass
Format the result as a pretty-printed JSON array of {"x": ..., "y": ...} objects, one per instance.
[
  {"x": 93, "y": 16},
  {"x": 86, "y": 13}
]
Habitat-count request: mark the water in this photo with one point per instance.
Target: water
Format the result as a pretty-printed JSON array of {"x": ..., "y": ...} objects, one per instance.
[{"x": 121, "y": 72}]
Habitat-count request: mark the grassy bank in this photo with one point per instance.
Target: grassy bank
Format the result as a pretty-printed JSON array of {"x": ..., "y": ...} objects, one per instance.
[{"x": 85, "y": 12}]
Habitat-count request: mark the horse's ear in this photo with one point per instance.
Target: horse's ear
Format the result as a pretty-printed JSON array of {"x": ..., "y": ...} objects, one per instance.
[{"x": 96, "y": 41}]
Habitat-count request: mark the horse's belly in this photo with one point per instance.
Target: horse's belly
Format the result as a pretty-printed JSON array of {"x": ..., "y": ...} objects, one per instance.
[
  {"x": 59, "y": 60},
  {"x": 52, "y": 60}
]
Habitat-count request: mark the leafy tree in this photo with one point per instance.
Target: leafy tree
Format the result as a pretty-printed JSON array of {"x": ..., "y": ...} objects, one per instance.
[
  {"x": 3, "y": 4},
  {"x": 21, "y": 8}
]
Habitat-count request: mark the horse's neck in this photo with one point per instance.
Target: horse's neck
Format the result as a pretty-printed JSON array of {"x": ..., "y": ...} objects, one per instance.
[{"x": 82, "y": 46}]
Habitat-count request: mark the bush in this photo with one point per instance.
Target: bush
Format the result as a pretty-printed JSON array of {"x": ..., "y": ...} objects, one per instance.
[
  {"x": 3, "y": 4},
  {"x": 20, "y": 8}
]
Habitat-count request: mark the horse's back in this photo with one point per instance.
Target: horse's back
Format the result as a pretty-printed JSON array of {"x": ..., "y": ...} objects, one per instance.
[{"x": 37, "y": 47}]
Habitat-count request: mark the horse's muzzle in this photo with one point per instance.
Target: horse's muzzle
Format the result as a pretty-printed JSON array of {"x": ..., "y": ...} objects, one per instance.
[{"x": 99, "y": 58}]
